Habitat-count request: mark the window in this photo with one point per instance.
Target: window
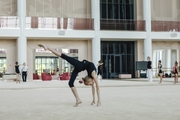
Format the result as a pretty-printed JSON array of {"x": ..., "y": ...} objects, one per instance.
[
  {"x": 2, "y": 64},
  {"x": 117, "y": 9}
]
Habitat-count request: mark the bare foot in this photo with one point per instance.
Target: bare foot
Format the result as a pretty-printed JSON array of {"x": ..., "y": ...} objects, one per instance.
[
  {"x": 40, "y": 45},
  {"x": 77, "y": 103}
]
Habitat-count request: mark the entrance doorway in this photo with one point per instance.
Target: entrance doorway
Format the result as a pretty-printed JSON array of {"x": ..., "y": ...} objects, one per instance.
[
  {"x": 118, "y": 58},
  {"x": 112, "y": 66}
]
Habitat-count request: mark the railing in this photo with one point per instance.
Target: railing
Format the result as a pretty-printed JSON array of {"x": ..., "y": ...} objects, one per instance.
[
  {"x": 122, "y": 24},
  {"x": 59, "y": 23},
  {"x": 9, "y": 22},
  {"x": 165, "y": 25}
]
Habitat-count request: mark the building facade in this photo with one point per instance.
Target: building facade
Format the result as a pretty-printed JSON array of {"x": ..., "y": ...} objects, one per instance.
[{"x": 119, "y": 32}]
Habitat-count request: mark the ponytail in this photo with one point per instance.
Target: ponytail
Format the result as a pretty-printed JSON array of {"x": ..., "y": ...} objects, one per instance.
[
  {"x": 81, "y": 81},
  {"x": 84, "y": 80}
]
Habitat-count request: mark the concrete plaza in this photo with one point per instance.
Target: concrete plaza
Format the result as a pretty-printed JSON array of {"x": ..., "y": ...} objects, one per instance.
[{"x": 129, "y": 99}]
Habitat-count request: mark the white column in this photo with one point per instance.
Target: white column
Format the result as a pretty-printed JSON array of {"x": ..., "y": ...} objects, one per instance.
[
  {"x": 154, "y": 62},
  {"x": 164, "y": 60},
  {"x": 96, "y": 42},
  {"x": 147, "y": 18},
  {"x": 22, "y": 41},
  {"x": 168, "y": 61},
  {"x": 177, "y": 53}
]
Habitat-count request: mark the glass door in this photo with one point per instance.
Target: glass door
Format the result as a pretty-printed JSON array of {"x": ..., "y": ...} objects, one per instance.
[
  {"x": 47, "y": 64},
  {"x": 117, "y": 65},
  {"x": 112, "y": 66}
]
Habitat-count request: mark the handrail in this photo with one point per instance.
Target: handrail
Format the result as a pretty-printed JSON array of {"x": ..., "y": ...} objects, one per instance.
[
  {"x": 122, "y": 24},
  {"x": 59, "y": 23},
  {"x": 9, "y": 22}
]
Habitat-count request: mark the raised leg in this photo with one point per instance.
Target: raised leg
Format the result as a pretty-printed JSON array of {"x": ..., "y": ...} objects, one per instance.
[{"x": 57, "y": 53}]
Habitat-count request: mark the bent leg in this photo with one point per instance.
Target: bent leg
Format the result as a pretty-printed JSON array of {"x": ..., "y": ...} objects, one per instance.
[
  {"x": 73, "y": 89},
  {"x": 78, "y": 100}
]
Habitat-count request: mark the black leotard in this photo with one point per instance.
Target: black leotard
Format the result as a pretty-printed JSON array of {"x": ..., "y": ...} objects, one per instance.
[
  {"x": 17, "y": 69},
  {"x": 99, "y": 70},
  {"x": 78, "y": 67}
]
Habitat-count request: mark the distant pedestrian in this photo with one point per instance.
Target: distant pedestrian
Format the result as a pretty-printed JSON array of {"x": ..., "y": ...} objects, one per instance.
[
  {"x": 57, "y": 73},
  {"x": 175, "y": 70},
  {"x": 149, "y": 70},
  {"x": 160, "y": 73},
  {"x": 17, "y": 72},
  {"x": 99, "y": 72},
  {"x": 24, "y": 72}
]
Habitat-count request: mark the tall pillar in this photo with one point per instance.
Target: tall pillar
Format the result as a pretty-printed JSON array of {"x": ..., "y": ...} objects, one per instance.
[
  {"x": 22, "y": 41},
  {"x": 96, "y": 42},
  {"x": 168, "y": 61},
  {"x": 147, "y": 18},
  {"x": 154, "y": 61},
  {"x": 177, "y": 53},
  {"x": 163, "y": 59}
]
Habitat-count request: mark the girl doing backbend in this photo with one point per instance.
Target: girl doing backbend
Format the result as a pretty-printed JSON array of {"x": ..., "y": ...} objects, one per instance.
[{"x": 79, "y": 66}]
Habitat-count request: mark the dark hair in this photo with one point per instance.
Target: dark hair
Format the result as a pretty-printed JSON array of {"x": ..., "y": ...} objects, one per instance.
[
  {"x": 100, "y": 61},
  {"x": 159, "y": 61},
  {"x": 16, "y": 62},
  {"x": 84, "y": 80},
  {"x": 176, "y": 63}
]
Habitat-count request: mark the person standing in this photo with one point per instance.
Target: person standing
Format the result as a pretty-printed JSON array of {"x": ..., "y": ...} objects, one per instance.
[
  {"x": 57, "y": 73},
  {"x": 24, "y": 72},
  {"x": 17, "y": 72},
  {"x": 99, "y": 73},
  {"x": 160, "y": 70},
  {"x": 175, "y": 69},
  {"x": 149, "y": 70}
]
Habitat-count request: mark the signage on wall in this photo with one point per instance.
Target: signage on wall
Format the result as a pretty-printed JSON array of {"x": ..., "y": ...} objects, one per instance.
[
  {"x": 61, "y": 32},
  {"x": 3, "y": 51},
  {"x": 173, "y": 33}
]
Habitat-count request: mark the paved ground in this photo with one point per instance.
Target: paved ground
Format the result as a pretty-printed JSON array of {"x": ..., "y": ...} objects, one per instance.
[{"x": 129, "y": 99}]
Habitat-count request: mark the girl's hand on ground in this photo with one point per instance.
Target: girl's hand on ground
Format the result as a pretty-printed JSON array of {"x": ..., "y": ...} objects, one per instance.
[
  {"x": 93, "y": 102},
  {"x": 98, "y": 103}
]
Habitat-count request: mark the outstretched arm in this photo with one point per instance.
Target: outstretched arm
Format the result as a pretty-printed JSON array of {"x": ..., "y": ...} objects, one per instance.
[
  {"x": 97, "y": 87},
  {"x": 57, "y": 53}
]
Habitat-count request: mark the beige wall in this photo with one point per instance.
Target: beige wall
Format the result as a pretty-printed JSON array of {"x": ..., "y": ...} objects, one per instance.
[
  {"x": 139, "y": 53},
  {"x": 59, "y": 8},
  {"x": 11, "y": 56},
  {"x": 83, "y": 46},
  {"x": 165, "y": 10},
  {"x": 8, "y": 7},
  {"x": 161, "y": 45},
  {"x": 139, "y": 50},
  {"x": 138, "y": 10}
]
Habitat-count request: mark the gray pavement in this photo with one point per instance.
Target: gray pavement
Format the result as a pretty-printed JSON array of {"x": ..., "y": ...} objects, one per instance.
[{"x": 122, "y": 99}]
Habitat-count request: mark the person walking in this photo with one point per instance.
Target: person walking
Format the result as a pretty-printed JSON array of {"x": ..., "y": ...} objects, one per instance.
[
  {"x": 176, "y": 70},
  {"x": 99, "y": 73},
  {"x": 160, "y": 73},
  {"x": 79, "y": 66},
  {"x": 24, "y": 72},
  {"x": 149, "y": 70},
  {"x": 57, "y": 73},
  {"x": 17, "y": 72}
]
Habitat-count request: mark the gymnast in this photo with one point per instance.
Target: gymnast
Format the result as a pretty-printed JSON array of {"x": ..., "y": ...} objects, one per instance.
[{"x": 79, "y": 66}]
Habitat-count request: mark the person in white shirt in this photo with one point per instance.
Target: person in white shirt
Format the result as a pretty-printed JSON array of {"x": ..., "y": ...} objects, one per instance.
[{"x": 24, "y": 72}]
